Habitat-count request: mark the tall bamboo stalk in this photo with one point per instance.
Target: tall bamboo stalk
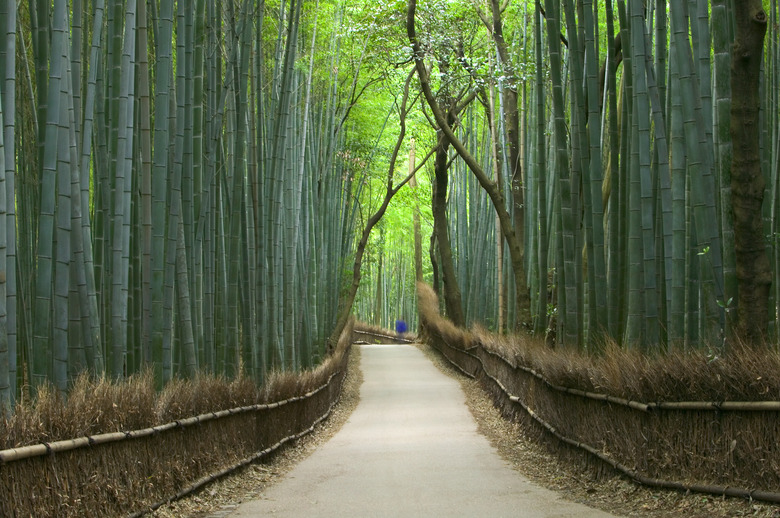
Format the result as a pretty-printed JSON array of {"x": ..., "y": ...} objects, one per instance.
[{"x": 8, "y": 344}]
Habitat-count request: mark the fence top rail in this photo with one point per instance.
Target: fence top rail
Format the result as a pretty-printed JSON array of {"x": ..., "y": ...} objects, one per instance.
[{"x": 718, "y": 406}]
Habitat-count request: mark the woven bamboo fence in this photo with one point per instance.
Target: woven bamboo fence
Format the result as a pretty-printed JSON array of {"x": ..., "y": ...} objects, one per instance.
[
  {"x": 133, "y": 472},
  {"x": 716, "y": 447}
]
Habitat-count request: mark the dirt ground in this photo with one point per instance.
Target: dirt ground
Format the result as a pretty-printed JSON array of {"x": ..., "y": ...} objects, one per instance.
[{"x": 614, "y": 494}]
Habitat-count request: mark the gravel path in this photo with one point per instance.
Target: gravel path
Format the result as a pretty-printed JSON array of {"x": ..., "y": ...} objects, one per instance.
[{"x": 411, "y": 448}]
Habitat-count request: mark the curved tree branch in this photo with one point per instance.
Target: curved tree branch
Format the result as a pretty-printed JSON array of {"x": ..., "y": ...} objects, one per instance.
[{"x": 491, "y": 188}]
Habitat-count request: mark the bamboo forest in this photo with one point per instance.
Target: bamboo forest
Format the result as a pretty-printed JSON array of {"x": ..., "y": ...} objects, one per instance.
[{"x": 199, "y": 186}]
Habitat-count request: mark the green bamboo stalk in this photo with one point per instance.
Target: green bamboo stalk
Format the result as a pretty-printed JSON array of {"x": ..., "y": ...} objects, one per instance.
[
  {"x": 122, "y": 199},
  {"x": 27, "y": 217},
  {"x": 199, "y": 171},
  {"x": 282, "y": 334},
  {"x": 100, "y": 188},
  {"x": 703, "y": 184},
  {"x": 661, "y": 53},
  {"x": 248, "y": 270},
  {"x": 92, "y": 336},
  {"x": 220, "y": 249},
  {"x": 676, "y": 333},
  {"x": 63, "y": 214},
  {"x": 702, "y": 53},
  {"x": 109, "y": 159},
  {"x": 208, "y": 216},
  {"x": 568, "y": 291},
  {"x": 297, "y": 192},
  {"x": 596, "y": 254},
  {"x": 145, "y": 184},
  {"x": 209, "y": 208},
  {"x": 541, "y": 323},
  {"x": 190, "y": 357},
  {"x": 161, "y": 147},
  {"x": 77, "y": 41},
  {"x": 615, "y": 263},
  {"x": 664, "y": 232},
  {"x": 81, "y": 345},
  {"x": 577, "y": 168},
  {"x": 646, "y": 202},
  {"x": 773, "y": 75},
  {"x": 41, "y": 358},
  {"x": 291, "y": 215},
  {"x": 39, "y": 21},
  {"x": 630, "y": 263},
  {"x": 176, "y": 270},
  {"x": 7, "y": 376},
  {"x": 721, "y": 41},
  {"x": 7, "y": 198},
  {"x": 636, "y": 302},
  {"x": 10, "y": 131}
]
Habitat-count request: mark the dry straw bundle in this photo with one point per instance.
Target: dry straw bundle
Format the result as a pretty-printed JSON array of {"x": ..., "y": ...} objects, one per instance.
[
  {"x": 688, "y": 420},
  {"x": 177, "y": 440}
]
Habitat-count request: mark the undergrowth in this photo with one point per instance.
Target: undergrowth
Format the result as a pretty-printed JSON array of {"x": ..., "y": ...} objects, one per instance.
[
  {"x": 741, "y": 374},
  {"x": 94, "y": 406}
]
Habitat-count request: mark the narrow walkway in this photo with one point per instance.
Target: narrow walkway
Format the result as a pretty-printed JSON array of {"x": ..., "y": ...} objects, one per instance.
[{"x": 410, "y": 449}]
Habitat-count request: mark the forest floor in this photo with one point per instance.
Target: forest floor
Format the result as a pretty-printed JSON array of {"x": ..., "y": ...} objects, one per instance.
[{"x": 614, "y": 494}]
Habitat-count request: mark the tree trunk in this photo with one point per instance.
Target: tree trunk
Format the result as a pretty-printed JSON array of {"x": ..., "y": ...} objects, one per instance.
[
  {"x": 754, "y": 274},
  {"x": 512, "y": 119},
  {"x": 380, "y": 297},
  {"x": 434, "y": 264},
  {"x": 418, "y": 270},
  {"x": 491, "y": 188},
  {"x": 452, "y": 296}
]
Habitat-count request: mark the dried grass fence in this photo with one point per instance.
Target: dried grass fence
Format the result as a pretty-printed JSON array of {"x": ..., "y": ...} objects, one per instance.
[
  {"x": 131, "y": 473},
  {"x": 716, "y": 447}
]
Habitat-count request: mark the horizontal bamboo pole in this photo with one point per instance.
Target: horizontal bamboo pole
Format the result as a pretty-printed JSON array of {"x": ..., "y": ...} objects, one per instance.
[
  {"x": 37, "y": 450},
  {"x": 238, "y": 465},
  {"x": 741, "y": 406},
  {"x": 734, "y": 406},
  {"x": 464, "y": 351},
  {"x": 755, "y": 494},
  {"x": 257, "y": 456},
  {"x": 766, "y": 496}
]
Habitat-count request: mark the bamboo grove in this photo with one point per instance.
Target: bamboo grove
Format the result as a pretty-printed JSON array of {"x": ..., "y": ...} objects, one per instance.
[
  {"x": 184, "y": 183},
  {"x": 174, "y": 192},
  {"x": 592, "y": 148}
]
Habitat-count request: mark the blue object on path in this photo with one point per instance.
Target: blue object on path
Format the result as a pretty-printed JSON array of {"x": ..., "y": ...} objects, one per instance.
[{"x": 400, "y": 327}]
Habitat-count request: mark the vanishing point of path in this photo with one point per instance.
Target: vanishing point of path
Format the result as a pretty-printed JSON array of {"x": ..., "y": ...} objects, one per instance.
[{"x": 410, "y": 449}]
